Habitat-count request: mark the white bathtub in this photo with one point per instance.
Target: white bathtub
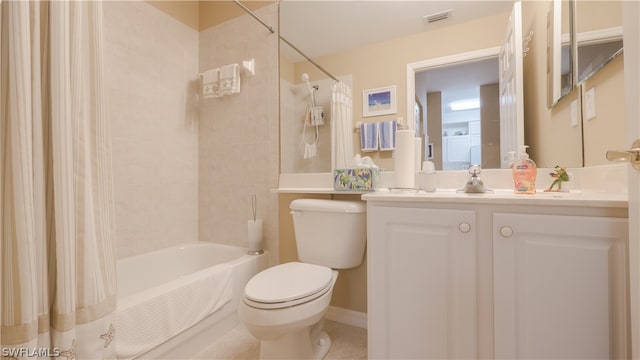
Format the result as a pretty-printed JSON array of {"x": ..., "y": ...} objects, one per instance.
[{"x": 150, "y": 286}]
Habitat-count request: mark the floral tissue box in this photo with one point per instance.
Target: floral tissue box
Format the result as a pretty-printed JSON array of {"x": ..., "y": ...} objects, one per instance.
[{"x": 355, "y": 179}]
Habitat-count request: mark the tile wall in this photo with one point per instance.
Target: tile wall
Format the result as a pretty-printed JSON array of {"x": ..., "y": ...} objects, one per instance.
[
  {"x": 151, "y": 61},
  {"x": 295, "y": 103},
  {"x": 238, "y": 134}
]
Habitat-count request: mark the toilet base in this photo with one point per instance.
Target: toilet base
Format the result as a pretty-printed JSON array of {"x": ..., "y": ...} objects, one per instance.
[{"x": 310, "y": 343}]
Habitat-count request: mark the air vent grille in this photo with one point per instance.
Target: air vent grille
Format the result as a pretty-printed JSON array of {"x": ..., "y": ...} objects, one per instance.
[{"x": 443, "y": 15}]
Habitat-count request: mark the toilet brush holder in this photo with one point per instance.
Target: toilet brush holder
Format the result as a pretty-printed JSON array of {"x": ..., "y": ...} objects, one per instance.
[{"x": 256, "y": 242}]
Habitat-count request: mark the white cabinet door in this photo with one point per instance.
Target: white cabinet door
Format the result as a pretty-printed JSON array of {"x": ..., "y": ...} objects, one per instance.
[
  {"x": 474, "y": 127},
  {"x": 422, "y": 283},
  {"x": 560, "y": 287}
]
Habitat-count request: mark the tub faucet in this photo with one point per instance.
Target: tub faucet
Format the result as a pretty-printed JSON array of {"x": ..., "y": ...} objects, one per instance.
[{"x": 474, "y": 184}]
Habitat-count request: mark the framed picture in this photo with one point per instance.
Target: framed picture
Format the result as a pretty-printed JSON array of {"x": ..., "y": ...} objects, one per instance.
[{"x": 380, "y": 101}]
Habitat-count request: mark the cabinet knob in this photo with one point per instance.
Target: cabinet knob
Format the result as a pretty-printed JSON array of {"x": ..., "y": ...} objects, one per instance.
[
  {"x": 464, "y": 227},
  {"x": 506, "y": 231}
]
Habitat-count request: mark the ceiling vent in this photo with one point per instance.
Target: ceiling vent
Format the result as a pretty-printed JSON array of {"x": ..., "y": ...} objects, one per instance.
[{"x": 443, "y": 15}]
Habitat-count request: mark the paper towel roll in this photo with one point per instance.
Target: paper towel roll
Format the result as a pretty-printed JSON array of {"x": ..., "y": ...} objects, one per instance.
[
  {"x": 254, "y": 228},
  {"x": 418, "y": 154},
  {"x": 403, "y": 159}
]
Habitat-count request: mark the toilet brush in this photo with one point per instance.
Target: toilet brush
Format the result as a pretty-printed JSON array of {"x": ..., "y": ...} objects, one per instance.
[{"x": 254, "y": 229}]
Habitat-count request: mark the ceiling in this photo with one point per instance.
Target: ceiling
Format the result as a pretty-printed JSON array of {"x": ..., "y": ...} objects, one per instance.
[{"x": 322, "y": 27}]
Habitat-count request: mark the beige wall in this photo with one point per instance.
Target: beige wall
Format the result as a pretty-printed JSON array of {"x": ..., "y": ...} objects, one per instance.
[
  {"x": 238, "y": 134},
  {"x": 434, "y": 125},
  {"x": 149, "y": 60},
  {"x": 607, "y": 131},
  {"x": 490, "y": 125},
  {"x": 596, "y": 15}
]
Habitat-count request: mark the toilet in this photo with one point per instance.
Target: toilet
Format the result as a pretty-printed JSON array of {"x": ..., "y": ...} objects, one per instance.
[{"x": 284, "y": 306}]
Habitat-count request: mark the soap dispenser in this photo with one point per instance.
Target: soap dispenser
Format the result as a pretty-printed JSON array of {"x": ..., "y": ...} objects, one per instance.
[{"x": 524, "y": 172}]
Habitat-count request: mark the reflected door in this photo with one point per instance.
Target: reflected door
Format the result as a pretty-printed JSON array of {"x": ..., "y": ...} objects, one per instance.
[{"x": 511, "y": 90}]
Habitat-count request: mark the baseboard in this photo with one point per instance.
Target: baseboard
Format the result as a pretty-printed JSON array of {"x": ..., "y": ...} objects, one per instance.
[{"x": 347, "y": 317}]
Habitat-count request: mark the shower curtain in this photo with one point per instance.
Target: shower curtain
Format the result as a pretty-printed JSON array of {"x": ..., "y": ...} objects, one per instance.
[
  {"x": 57, "y": 258},
  {"x": 342, "y": 127}
]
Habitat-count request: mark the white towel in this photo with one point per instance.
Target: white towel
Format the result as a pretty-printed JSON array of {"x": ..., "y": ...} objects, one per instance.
[
  {"x": 230, "y": 79},
  {"x": 310, "y": 151},
  {"x": 387, "y": 133},
  {"x": 369, "y": 137},
  {"x": 210, "y": 83}
]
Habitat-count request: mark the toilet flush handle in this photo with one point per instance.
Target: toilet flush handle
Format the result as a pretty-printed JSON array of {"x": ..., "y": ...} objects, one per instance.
[{"x": 295, "y": 212}]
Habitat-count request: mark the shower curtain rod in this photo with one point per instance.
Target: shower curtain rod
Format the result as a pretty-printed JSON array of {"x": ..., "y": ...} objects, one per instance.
[
  {"x": 309, "y": 59},
  {"x": 248, "y": 11}
]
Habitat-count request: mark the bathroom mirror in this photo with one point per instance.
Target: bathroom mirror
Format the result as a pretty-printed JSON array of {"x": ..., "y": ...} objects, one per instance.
[
  {"x": 560, "y": 50},
  {"x": 463, "y": 116},
  {"x": 598, "y": 35},
  {"x": 326, "y": 29},
  {"x": 346, "y": 48}
]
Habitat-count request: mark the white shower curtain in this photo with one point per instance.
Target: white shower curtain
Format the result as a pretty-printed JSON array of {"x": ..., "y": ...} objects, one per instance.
[
  {"x": 342, "y": 127},
  {"x": 57, "y": 258}
]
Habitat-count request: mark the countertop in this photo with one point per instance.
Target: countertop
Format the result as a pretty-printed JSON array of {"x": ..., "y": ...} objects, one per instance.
[{"x": 502, "y": 197}]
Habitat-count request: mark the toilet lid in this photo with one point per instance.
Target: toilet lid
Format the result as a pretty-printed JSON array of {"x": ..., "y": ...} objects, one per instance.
[{"x": 288, "y": 282}]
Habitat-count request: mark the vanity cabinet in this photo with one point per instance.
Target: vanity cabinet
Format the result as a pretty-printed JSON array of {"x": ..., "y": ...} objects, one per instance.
[
  {"x": 452, "y": 281},
  {"x": 559, "y": 287},
  {"x": 422, "y": 296}
]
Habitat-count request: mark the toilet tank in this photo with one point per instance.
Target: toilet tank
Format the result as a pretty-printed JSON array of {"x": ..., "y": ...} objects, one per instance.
[{"x": 331, "y": 233}]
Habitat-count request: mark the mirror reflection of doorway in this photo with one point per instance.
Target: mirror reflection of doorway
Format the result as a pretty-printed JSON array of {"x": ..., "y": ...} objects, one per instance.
[{"x": 462, "y": 116}]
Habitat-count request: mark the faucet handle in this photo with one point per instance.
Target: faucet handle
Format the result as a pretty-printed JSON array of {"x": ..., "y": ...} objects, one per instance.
[
  {"x": 475, "y": 170},
  {"x": 474, "y": 184}
]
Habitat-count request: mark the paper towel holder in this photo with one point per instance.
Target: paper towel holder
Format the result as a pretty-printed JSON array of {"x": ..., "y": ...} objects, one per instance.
[{"x": 256, "y": 240}]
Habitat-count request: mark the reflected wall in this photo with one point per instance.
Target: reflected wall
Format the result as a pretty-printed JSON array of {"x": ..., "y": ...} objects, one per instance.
[{"x": 384, "y": 64}]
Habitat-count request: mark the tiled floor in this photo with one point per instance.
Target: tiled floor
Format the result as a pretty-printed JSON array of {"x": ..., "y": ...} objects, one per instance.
[{"x": 347, "y": 342}]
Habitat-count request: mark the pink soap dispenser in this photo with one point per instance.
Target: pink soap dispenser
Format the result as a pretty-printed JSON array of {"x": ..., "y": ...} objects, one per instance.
[{"x": 524, "y": 173}]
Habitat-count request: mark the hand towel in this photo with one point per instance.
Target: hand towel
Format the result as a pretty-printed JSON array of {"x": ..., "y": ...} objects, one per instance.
[
  {"x": 369, "y": 137},
  {"x": 388, "y": 135},
  {"x": 310, "y": 151},
  {"x": 210, "y": 83},
  {"x": 230, "y": 79}
]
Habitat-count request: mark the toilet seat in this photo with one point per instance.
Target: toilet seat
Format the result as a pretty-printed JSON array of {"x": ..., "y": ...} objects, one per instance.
[{"x": 287, "y": 285}]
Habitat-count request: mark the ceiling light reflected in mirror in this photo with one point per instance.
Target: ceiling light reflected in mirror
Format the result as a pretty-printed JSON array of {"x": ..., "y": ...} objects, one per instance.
[{"x": 468, "y": 104}]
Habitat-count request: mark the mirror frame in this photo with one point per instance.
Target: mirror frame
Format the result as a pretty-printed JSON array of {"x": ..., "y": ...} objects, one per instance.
[{"x": 555, "y": 42}]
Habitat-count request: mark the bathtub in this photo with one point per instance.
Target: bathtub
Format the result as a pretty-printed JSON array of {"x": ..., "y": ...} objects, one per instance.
[{"x": 174, "y": 302}]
